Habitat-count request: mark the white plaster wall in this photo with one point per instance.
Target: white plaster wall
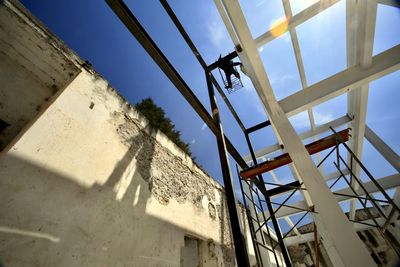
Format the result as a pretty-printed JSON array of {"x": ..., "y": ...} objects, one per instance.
[
  {"x": 84, "y": 181},
  {"x": 33, "y": 66},
  {"x": 21, "y": 97},
  {"x": 96, "y": 187}
]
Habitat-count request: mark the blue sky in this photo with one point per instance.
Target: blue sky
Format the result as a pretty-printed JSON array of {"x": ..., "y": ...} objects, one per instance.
[{"x": 92, "y": 30}]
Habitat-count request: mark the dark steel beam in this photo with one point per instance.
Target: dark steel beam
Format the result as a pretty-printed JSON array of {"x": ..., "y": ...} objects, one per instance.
[
  {"x": 224, "y": 145},
  {"x": 284, "y": 159},
  {"x": 258, "y": 126},
  {"x": 250, "y": 220},
  {"x": 137, "y": 30},
  {"x": 230, "y": 56},
  {"x": 283, "y": 188},
  {"x": 259, "y": 182},
  {"x": 238, "y": 236},
  {"x": 196, "y": 53}
]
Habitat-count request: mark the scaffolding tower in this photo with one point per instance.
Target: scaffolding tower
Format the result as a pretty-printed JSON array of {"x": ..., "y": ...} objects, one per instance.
[{"x": 335, "y": 227}]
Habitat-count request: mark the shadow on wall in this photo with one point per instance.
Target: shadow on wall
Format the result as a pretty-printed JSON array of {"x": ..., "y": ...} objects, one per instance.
[{"x": 48, "y": 220}]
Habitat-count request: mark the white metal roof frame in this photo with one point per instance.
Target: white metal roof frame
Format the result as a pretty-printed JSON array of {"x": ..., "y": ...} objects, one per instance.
[{"x": 362, "y": 68}]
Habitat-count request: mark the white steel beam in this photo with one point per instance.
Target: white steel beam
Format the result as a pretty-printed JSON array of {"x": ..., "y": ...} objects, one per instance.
[
  {"x": 342, "y": 82},
  {"x": 298, "y": 19},
  {"x": 294, "y": 240},
  {"x": 311, "y": 133},
  {"x": 300, "y": 66},
  {"x": 339, "y": 231},
  {"x": 389, "y": 154},
  {"x": 361, "y": 20},
  {"x": 388, "y": 182},
  {"x": 337, "y": 174}
]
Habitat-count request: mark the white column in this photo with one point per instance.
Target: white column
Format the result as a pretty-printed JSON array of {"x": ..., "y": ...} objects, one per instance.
[{"x": 360, "y": 24}]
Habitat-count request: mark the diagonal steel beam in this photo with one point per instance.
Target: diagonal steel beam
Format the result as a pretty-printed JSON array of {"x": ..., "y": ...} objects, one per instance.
[
  {"x": 390, "y": 155},
  {"x": 197, "y": 54},
  {"x": 300, "y": 66},
  {"x": 331, "y": 217},
  {"x": 133, "y": 25},
  {"x": 152, "y": 49},
  {"x": 384, "y": 149}
]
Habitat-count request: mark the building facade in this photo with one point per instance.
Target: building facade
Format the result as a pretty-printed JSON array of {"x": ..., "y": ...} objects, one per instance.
[{"x": 84, "y": 180}]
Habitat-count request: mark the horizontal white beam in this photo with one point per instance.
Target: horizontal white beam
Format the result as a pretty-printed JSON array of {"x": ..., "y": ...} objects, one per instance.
[
  {"x": 318, "y": 130},
  {"x": 294, "y": 240},
  {"x": 342, "y": 82},
  {"x": 296, "y": 20},
  {"x": 335, "y": 175},
  {"x": 387, "y": 182}
]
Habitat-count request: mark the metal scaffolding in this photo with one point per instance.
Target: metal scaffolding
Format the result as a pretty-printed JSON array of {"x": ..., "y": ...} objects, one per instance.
[{"x": 334, "y": 226}]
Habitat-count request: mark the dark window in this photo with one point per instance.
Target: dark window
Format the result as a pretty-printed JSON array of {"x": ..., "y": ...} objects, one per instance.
[{"x": 3, "y": 125}]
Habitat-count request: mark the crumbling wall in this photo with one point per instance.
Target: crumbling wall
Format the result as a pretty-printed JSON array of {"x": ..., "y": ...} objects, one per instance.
[
  {"x": 176, "y": 180},
  {"x": 90, "y": 183},
  {"x": 84, "y": 181}
]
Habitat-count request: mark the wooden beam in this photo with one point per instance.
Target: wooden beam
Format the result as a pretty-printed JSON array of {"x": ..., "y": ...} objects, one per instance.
[
  {"x": 311, "y": 133},
  {"x": 285, "y": 159}
]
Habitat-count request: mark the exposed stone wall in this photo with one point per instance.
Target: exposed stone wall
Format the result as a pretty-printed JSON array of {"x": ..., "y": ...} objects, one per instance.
[{"x": 381, "y": 246}]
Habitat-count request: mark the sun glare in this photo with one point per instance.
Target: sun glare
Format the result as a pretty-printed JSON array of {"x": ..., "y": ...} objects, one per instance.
[{"x": 279, "y": 26}]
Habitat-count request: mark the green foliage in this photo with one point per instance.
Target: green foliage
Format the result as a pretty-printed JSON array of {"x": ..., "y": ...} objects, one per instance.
[{"x": 156, "y": 117}]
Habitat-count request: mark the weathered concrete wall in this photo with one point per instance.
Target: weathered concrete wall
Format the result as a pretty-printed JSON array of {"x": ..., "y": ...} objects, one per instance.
[
  {"x": 84, "y": 181},
  {"x": 34, "y": 66},
  {"x": 107, "y": 189}
]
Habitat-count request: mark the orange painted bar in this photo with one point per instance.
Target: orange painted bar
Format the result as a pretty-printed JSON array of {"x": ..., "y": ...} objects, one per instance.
[{"x": 285, "y": 159}]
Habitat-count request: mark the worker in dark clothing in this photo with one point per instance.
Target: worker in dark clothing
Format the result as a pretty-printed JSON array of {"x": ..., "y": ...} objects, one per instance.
[{"x": 228, "y": 67}]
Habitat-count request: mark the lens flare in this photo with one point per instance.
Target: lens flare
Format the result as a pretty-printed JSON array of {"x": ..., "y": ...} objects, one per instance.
[{"x": 279, "y": 26}]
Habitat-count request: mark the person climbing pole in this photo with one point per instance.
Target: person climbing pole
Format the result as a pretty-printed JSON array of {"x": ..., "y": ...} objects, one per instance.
[{"x": 228, "y": 66}]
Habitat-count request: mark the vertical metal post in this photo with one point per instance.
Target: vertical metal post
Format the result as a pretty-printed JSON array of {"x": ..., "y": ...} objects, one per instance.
[
  {"x": 250, "y": 220},
  {"x": 238, "y": 237},
  {"x": 316, "y": 245},
  {"x": 278, "y": 233}
]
